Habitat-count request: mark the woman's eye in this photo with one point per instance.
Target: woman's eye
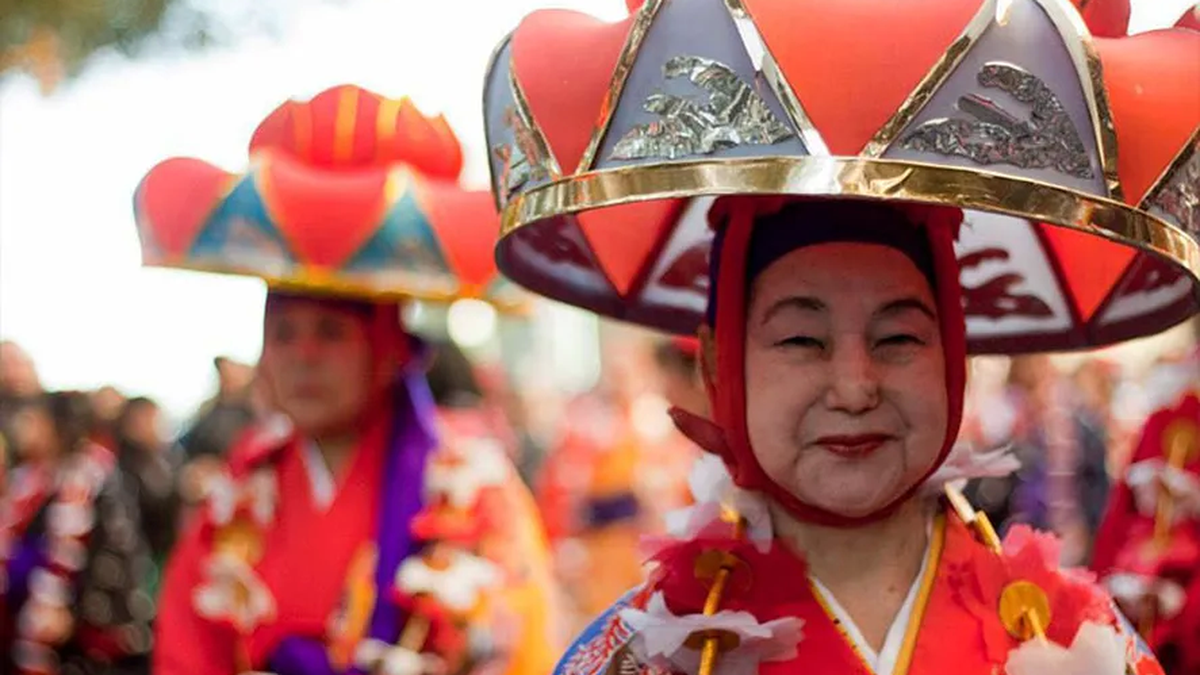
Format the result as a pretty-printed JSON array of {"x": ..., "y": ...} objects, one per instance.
[
  {"x": 332, "y": 331},
  {"x": 282, "y": 333},
  {"x": 900, "y": 340},
  {"x": 802, "y": 341}
]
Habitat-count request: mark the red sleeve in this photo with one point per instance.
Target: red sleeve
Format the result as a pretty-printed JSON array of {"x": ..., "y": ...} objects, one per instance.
[
  {"x": 186, "y": 644},
  {"x": 1114, "y": 527}
]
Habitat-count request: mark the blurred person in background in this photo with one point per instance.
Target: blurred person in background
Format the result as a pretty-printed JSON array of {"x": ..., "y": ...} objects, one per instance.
[
  {"x": 1148, "y": 546},
  {"x": 149, "y": 478},
  {"x": 468, "y": 417},
  {"x": 1062, "y": 484},
  {"x": 514, "y": 406},
  {"x": 617, "y": 467},
  {"x": 218, "y": 423},
  {"x": 19, "y": 382},
  {"x": 107, "y": 403},
  {"x": 362, "y": 535},
  {"x": 73, "y": 555},
  {"x": 1095, "y": 382}
]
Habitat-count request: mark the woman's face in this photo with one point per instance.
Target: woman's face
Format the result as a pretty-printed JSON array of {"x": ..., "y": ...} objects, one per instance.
[
  {"x": 317, "y": 362},
  {"x": 34, "y": 436},
  {"x": 845, "y": 375}
]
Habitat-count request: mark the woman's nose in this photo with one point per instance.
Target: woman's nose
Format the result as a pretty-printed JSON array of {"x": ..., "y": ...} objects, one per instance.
[
  {"x": 854, "y": 384},
  {"x": 307, "y": 347}
]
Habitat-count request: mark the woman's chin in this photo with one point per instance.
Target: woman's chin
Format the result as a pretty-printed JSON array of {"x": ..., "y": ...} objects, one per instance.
[
  {"x": 850, "y": 506},
  {"x": 851, "y": 496}
]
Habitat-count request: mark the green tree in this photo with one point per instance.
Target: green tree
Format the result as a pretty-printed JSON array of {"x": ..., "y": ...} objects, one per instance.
[{"x": 53, "y": 40}]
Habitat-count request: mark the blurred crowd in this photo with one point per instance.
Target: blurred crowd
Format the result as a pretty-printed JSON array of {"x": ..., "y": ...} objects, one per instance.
[{"x": 604, "y": 470}]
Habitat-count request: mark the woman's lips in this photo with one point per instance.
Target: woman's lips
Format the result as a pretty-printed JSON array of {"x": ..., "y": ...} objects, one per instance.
[{"x": 855, "y": 446}]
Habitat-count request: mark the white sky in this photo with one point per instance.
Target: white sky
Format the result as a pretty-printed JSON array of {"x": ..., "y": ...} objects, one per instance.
[{"x": 71, "y": 289}]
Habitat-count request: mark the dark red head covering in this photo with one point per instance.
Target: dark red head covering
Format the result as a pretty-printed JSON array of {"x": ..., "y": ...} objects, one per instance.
[{"x": 738, "y": 257}]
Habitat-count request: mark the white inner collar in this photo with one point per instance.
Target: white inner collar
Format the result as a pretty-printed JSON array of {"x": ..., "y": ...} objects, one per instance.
[
  {"x": 884, "y": 661},
  {"x": 320, "y": 478}
]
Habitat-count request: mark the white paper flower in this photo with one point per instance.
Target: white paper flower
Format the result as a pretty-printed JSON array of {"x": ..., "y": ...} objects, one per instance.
[
  {"x": 714, "y": 491},
  {"x": 965, "y": 463},
  {"x": 49, "y": 588},
  {"x": 375, "y": 656},
  {"x": 369, "y": 653},
  {"x": 1145, "y": 478},
  {"x": 660, "y": 638},
  {"x": 460, "y": 474},
  {"x": 401, "y": 661},
  {"x": 258, "y": 492},
  {"x": 1132, "y": 589},
  {"x": 458, "y": 587},
  {"x": 233, "y": 591},
  {"x": 70, "y": 519},
  {"x": 1096, "y": 650},
  {"x": 221, "y": 495}
]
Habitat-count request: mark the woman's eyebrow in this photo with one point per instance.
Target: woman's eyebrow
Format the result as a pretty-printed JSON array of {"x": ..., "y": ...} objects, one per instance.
[
  {"x": 908, "y": 304},
  {"x": 802, "y": 302}
]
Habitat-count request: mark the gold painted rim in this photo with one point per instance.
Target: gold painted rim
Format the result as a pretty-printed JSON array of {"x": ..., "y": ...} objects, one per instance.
[
  {"x": 339, "y": 286},
  {"x": 856, "y": 177}
]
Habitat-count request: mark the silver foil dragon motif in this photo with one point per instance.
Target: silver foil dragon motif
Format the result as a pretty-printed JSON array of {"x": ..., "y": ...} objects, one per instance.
[
  {"x": 732, "y": 114},
  {"x": 1047, "y": 140},
  {"x": 521, "y": 159},
  {"x": 1179, "y": 197}
]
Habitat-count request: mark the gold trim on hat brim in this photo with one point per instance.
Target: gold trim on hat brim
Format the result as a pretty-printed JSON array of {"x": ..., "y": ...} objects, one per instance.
[
  {"x": 855, "y": 177},
  {"x": 331, "y": 285}
]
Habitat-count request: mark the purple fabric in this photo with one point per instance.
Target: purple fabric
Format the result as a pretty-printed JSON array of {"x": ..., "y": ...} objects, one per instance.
[
  {"x": 608, "y": 510},
  {"x": 301, "y": 656},
  {"x": 26, "y": 556},
  {"x": 413, "y": 438}
]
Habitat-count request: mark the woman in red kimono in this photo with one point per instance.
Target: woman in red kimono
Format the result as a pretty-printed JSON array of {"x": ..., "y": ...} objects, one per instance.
[
  {"x": 1148, "y": 546},
  {"x": 354, "y": 536},
  {"x": 844, "y": 200}
]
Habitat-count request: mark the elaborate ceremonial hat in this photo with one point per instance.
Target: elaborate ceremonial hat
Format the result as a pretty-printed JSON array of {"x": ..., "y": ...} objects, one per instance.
[
  {"x": 609, "y": 142},
  {"x": 349, "y": 194}
]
